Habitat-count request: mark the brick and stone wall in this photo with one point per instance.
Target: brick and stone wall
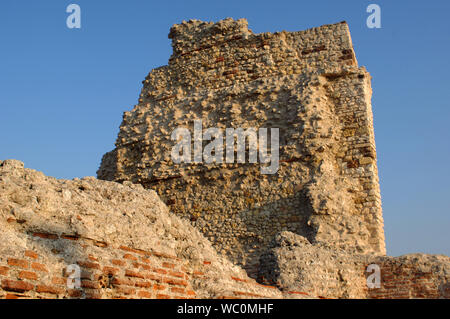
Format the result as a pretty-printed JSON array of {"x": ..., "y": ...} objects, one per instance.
[
  {"x": 122, "y": 237},
  {"x": 413, "y": 276},
  {"x": 305, "y": 83},
  {"x": 126, "y": 244},
  {"x": 110, "y": 272}
]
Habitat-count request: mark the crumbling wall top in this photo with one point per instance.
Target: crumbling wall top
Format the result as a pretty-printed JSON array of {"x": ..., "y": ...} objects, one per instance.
[{"x": 188, "y": 35}]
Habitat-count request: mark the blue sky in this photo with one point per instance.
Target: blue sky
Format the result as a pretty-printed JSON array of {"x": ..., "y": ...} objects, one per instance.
[{"x": 63, "y": 91}]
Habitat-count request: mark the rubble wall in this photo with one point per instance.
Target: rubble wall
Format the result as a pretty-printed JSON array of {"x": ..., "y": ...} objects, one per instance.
[{"x": 293, "y": 263}]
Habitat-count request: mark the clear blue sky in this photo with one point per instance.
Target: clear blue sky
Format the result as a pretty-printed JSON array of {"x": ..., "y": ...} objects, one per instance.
[{"x": 63, "y": 91}]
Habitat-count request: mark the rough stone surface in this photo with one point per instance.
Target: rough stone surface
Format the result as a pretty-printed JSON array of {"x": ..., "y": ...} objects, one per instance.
[
  {"x": 294, "y": 263},
  {"x": 307, "y": 84},
  {"x": 121, "y": 234},
  {"x": 127, "y": 244}
]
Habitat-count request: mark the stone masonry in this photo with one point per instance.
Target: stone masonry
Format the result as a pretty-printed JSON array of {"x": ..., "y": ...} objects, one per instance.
[{"x": 309, "y": 85}]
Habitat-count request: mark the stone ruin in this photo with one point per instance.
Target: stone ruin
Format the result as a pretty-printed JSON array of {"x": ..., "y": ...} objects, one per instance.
[
  {"x": 309, "y": 85},
  {"x": 153, "y": 228}
]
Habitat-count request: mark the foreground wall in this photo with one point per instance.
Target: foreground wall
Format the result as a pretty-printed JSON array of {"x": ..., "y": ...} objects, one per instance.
[
  {"x": 308, "y": 85},
  {"x": 413, "y": 276},
  {"x": 128, "y": 245},
  {"x": 293, "y": 263}
]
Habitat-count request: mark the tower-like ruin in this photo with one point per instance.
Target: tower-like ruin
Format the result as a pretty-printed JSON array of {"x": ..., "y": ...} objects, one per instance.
[{"x": 308, "y": 85}]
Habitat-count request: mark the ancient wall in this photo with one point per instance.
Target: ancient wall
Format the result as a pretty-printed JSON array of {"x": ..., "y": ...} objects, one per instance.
[
  {"x": 122, "y": 237},
  {"x": 308, "y": 85},
  {"x": 413, "y": 276},
  {"x": 293, "y": 263},
  {"x": 127, "y": 244},
  {"x": 310, "y": 230}
]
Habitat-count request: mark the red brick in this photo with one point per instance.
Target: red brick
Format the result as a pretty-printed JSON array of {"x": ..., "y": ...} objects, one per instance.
[
  {"x": 49, "y": 289},
  {"x": 146, "y": 260},
  {"x": 137, "y": 251},
  {"x": 159, "y": 271},
  {"x": 153, "y": 277},
  {"x": 159, "y": 287},
  {"x": 146, "y": 267},
  {"x": 28, "y": 275},
  {"x": 16, "y": 285},
  {"x": 4, "y": 270},
  {"x": 31, "y": 254},
  {"x": 239, "y": 279},
  {"x": 143, "y": 284},
  {"x": 101, "y": 244},
  {"x": 110, "y": 270},
  {"x": 178, "y": 282},
  {"x": 144, "y": 294},
  {"x": 75, "y": 293},
  {"x": 85, "y": 274},
  {"x": 131, "y": 273},
  {"x": 158, "y": 254},
  {"x": 70, "y": 237},
  {"x": 59, "y": 281},
  {"x": 129, "y": 256},
  {"x": 126, "y": 248},
  {"x": 46, "y": 235},
  {"x": 117, "y": 262},
  {"x": 39, "y": 267},
  {"x": 90, "y": 284},
  {"x": 88, "y": 264},
  {"x": 93, "y": 295},
  {"x": 92, "y": 258},
  {"x": 190, "y": 293},
  {"x": 12, "y": 296},
  {"x": 206, "y": 262},
  {"x": 176, "y": 274},
  {"x": 265, "y": 286},
  {"x": 161, "y": 296},
  {"x": 177, "y": 290},
  {"x": 18, "y": 263},
  {"x": 168, "y": 265},
  {"x": 125, "y": 290},
  {"x": 122, "y": 281}
]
